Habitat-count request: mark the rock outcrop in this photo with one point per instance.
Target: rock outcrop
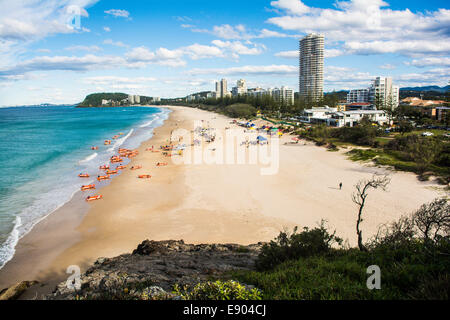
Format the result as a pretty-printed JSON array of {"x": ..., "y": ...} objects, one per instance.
[
  {"x": 153, "y": 269},
  {"x": 16, "y": 290}
]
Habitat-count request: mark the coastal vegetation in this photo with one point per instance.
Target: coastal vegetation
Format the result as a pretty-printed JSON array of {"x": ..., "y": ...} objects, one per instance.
[
  {"x": 412, "y": 253},
  {"x": 265, "y": 103},
  {"x": 406, "y": 151},
  {"x": 95, "y": 99},
  {"x": 117, "y": 99},
  {"x": 412, "y": 256}
]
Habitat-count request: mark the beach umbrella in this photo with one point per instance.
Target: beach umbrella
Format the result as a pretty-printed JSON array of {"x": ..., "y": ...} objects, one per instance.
[
  {"x": 261, "y": 138},
  {"x": 296, "y": 139}
]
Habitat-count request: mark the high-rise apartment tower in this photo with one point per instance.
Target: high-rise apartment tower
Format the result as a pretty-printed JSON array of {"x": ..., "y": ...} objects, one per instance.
[{"x": 311, "y": 67}]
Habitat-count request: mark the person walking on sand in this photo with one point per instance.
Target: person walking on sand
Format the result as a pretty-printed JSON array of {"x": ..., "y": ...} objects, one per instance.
[{"x": 340, "y": 186}]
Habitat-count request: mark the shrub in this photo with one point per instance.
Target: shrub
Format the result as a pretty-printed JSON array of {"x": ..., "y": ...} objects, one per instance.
[
  {"x": 296, "y": 245},
  {"x": 240, "y": 111},
  {"x": 218, "y": 290}
]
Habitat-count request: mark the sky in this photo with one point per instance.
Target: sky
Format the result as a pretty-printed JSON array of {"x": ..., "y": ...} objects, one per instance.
[{"x": 58, "y": 51}]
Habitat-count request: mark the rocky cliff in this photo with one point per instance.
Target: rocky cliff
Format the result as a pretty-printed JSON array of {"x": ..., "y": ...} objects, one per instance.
[{"x": 155, "y": 267}]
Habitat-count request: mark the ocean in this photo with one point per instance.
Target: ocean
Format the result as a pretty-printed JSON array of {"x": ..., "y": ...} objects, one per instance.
[{"x": 44, "y": 149}]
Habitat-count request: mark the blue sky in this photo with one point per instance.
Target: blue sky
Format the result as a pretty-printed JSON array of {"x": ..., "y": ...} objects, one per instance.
[{"x": 172, "y": 48}]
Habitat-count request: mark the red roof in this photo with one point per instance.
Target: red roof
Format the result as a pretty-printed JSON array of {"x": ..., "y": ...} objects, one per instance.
[{"x": 359, "y": 104}]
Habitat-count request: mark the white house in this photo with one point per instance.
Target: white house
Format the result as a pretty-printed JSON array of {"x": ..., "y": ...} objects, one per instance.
[
  {"x": 350, "y": 118},
  {"x": 332, "y": 117}
]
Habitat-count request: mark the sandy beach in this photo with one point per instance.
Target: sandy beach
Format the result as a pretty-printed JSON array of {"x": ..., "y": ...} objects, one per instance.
[{"x": 210, "y": 203}]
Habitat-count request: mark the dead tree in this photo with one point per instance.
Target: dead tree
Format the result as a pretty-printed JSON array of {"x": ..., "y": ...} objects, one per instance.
[{"x": 360, "y": 195}]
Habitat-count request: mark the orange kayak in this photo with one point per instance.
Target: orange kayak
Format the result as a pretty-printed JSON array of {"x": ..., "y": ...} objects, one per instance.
[
  {"x": 93, "y": 198},
  {"x": 121, "y": 167},
  {"x": 115, "y": 137},
  {"x": 105, "y": 167},
  {"x": 94, "y": 148},
  {"x": 107, "y": 142},
  {"x": 88, "y": 187},
  {"x": 83, "y": 175},
  {"x": 136, "y": 168},
  {"x": 161, "y": 164},
  {"x": 116, "y": 160},
  {"x": 112, "y": 172},
  {"x": 144, "y": 176},
  {"x": 100, "y": 178}
]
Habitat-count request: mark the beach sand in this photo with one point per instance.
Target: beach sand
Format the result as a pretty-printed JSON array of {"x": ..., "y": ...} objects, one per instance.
[{"x": 202, "y": 203}]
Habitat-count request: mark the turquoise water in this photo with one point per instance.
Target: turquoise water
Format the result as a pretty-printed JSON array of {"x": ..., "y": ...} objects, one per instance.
[{"x": 43, "y": 150}]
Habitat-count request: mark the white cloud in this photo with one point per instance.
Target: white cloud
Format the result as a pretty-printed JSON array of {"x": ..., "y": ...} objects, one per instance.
[
  {"x": 118, "y": 13},
  {"x": 329, "y": 53},
  {"x": 292, "y": 7},
  {"x": 106, "y": 80},
  {"x": 161, "y": 56},
  {"x": 239, "y": 32},
  {"x": 431, "y": 61},
  {"x": 31, "y": 20},
  {"x": 388, "y": 66},
  {"x": 197, "y": 51},
  {"x": 107, "y": 29},
  {"x": 84, "y": 48},
  {"x": 368, "y": 26},
  {"x": 43, "y": 50},
  {"x": 237, "y": 48},
  {"x": 115, "y": 43},
  {"x": 84, "y": 63},
  {"x": 409, "y": 47},
  {"x": 249, "y": 70},
  {"x": 288, "y": 54}
]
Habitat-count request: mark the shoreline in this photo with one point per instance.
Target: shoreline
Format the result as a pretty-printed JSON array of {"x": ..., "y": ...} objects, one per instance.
[
  {"x": 206, "y": 204},
  {"x": 68, "y": 216}
]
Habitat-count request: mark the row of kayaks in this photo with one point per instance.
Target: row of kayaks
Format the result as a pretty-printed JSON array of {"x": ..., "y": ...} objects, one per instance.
[{"x": 123, "y": 153}]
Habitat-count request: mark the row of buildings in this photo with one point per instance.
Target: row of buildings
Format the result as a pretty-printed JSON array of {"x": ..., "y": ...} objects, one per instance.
[
  {"x": 337, "y": 118},
  {"x": 283, "y": 95},
  {"x": 361, "y": 103},
  {"x": 131, "y": 100},
  {"x": 382, "y": 92}
]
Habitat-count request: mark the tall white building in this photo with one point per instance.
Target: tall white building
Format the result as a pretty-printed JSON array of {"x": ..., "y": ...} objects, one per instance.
[
  {"x": 382, "y": 93},
  {"x": 137, "y": 99},
  {"x": 358, "y": 95},
  {"x": 283, "y": 96},
  {"x": 131, "y": 99},
  {"x": 311, "y": 67},
  {"x": 240, "y": 89},
  {"x": 221, "y": 89}
]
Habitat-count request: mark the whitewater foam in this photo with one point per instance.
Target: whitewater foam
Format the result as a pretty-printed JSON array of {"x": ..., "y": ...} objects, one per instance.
[
  {"x": 89, "y": 158},
  {"x": 56, "y": 193}
]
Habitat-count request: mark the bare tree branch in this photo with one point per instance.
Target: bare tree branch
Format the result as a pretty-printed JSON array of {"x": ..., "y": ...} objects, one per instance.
[{"x": 360, "y": 195}]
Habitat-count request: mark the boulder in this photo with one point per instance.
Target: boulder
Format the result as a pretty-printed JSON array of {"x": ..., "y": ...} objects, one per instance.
[{"x": 14, "y": 292}]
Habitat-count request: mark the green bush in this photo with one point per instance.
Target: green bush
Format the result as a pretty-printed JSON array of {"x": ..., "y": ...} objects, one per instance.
[
  {"x": 240, "y": 111},
  {"x": 296, "y": 245},
  {"x": 218, "y": 290},
  {"x": 413, "y": 254}
]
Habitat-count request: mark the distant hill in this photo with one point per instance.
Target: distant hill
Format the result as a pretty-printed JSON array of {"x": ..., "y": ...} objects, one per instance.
[
  {"x": 427, "y": 88},
  {"x": 95, "y": 99},
  {"x": 119, "y": 99}
]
